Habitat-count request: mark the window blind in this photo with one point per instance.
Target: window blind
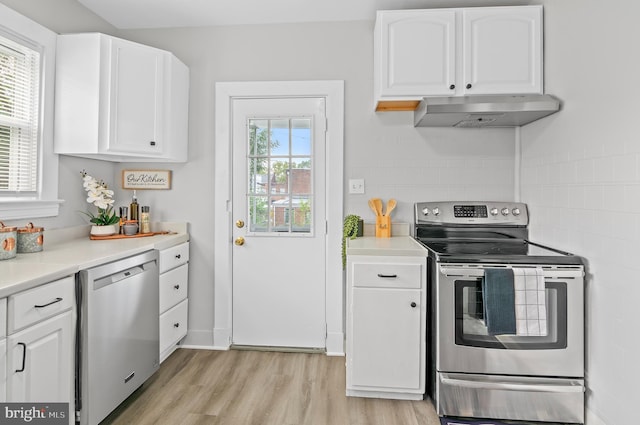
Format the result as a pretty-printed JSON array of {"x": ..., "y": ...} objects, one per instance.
[{"x": 19, "y": 101}]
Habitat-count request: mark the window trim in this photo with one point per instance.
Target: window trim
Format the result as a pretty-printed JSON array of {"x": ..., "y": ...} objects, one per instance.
[{"x": 45, "y": 202}]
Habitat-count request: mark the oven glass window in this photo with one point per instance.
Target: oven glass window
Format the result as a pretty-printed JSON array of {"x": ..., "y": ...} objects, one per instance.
[{"x": 471, "y": 328}]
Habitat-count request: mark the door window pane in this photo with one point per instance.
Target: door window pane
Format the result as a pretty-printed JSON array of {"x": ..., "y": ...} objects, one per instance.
[{"x": 280, "y": 178}]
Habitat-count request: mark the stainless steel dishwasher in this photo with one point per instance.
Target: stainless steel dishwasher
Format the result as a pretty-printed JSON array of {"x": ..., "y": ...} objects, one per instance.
[{"x": 117, "y": 347}]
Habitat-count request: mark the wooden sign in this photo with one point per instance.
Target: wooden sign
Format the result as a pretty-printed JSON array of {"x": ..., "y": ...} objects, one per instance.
[{"x": 146, "y": 179}]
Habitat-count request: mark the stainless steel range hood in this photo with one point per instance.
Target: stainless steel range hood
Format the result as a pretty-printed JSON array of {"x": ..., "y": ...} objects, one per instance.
[{"x": 484, "y": 111}]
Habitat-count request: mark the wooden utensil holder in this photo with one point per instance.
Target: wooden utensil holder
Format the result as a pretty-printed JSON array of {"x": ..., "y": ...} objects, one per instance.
[{"x": 383, "y": 226}]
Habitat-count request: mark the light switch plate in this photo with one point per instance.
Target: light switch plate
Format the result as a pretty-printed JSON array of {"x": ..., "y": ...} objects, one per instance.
[{"x": 356, "y": 185}]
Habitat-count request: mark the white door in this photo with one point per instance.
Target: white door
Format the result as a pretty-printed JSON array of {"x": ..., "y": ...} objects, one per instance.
[{"x": 279, "y": 222}]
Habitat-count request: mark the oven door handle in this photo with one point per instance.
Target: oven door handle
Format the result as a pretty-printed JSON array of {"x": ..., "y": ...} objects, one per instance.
[
  {"x": 543, "y": 388},
  {"x": 560, "y": 273}
]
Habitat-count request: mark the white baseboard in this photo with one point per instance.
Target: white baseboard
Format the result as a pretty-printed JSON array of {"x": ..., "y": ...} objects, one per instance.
[
  {"x": 222, "y": 338},
  {"x": 198, "y": 338}
]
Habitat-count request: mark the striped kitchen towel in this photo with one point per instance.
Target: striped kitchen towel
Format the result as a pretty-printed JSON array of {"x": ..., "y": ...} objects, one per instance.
[{"x": 530, "y": 301}]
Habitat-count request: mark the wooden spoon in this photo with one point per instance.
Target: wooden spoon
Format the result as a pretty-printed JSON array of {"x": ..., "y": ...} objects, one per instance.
[
  {"x": 377, "y": 203},
  {"x": 390, "y": 206},
  {"x": 373, "y": 206}
]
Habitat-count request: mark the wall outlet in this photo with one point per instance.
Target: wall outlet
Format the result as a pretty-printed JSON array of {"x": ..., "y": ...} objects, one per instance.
[{"x": 356, "y": 185}]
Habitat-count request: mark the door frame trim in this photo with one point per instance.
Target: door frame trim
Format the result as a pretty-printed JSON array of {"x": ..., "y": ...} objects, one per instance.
[{"x": 333, "y": 92}]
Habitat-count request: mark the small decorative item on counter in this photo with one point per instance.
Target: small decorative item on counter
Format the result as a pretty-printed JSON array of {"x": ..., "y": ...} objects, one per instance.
[
  {"x": 30, "y": 239},
  {"x": 383, "y": 221},
  {"x": 99, "y": 195},
  {"x": 123, "y": 218},
  {"x": 134, "y": 208},
  {"x": 350, "y": 229},
  {"x": 8, "y": 236},
  {"x": 145, "y": 223},
  {"x": 130, "y": 227}
]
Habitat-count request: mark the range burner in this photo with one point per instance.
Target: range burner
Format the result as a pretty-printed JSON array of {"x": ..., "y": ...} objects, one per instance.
[{"x": 482, "y": 232}]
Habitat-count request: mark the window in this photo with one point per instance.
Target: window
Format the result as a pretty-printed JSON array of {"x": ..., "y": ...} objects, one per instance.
[
  {"x": 19, "y": 104},
  {"x": 28, "y": 165},
  {"x": 280, "y": 184}
]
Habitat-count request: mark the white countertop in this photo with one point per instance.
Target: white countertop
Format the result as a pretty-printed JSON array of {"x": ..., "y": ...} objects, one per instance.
[
  {"x": 395, "y": 246},
  {"x": 72, "y": 251}
]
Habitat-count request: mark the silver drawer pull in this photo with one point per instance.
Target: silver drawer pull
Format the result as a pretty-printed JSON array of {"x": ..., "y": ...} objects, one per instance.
[
  {"x": 57, "y": 300},
  {"x": 387, "y": 276}
]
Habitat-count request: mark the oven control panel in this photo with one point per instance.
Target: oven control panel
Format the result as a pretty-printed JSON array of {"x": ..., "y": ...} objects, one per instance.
[{"x": 481, "y": 213}]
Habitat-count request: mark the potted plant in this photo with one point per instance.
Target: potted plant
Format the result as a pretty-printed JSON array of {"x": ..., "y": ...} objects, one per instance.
[
  {"x": 104, "y": 223},
  {"x": 351, "y": 228}
]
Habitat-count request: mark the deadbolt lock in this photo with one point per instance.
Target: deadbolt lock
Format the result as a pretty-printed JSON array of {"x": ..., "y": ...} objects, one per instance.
[{"x": 239, "y": 224}]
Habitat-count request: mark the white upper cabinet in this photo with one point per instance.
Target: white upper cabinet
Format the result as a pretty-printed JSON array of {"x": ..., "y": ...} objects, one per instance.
[
  {"x": 416, "y": 52},
  {"x": 502, "y": 50},
  {"x": 120, "y": 101},
  {"x": 456, "y": 52}
]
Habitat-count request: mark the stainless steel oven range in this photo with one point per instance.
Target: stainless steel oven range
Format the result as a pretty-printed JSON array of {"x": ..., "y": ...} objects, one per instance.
[{"x": 506, "y": 315}]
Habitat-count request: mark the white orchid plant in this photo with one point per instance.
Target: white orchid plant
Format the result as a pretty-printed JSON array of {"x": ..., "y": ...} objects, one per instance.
[{"x": 99, "y": 195}]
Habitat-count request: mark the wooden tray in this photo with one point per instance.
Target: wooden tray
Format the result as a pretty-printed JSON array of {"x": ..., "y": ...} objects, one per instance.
[{"x": 119, "y": 236}]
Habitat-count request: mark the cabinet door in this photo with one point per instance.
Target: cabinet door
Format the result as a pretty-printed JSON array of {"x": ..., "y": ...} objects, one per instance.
[
  {"x": 502, "y": 50},
  {"x": 385, "y": 338},
  {"x": 3, "y": 370},
  {"x": 136, "y": 98},
  {"x": 40, "y": 359},
  {"x": 416, "y": 52}
]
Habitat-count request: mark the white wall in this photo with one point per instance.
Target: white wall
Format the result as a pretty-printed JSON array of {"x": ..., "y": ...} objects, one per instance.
[
  {"x": 395, "y": 159},
  {"x": 581, "y": 179}
]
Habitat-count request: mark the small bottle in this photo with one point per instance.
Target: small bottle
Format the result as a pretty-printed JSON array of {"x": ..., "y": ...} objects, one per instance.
[
  {"x": 134, "y": 208},
  {"x": 145, "y": 224},
  {"x": 123, "y": 218}
]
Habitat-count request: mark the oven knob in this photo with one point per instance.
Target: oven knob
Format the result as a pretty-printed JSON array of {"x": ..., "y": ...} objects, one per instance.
[
  {"x": 505, "y": 211},
  {"x": 425, "y": 211},
  {"x": 516, "y": 211},
  {"x": 436, "y": 211},
  {"x": 494, "y": 211}
]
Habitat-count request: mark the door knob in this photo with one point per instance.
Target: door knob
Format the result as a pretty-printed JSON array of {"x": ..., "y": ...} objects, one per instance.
[
  {"x": 239, "y": 224},
  {"x": 239, "y": 241}
]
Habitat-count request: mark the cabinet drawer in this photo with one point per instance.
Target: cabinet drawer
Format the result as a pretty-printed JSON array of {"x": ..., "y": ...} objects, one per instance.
[
  {"x": 173, "y": 287},
  {"x": 3, "y": 317},
  {"x": 31, "y": 306},
  {"x": 173, "y": 325},
  {"x": 392, "y": 275},
  {"x": 173, "y": 257}
]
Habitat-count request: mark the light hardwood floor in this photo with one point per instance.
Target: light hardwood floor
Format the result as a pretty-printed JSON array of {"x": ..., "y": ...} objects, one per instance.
[{"x": 259, "y": 388}]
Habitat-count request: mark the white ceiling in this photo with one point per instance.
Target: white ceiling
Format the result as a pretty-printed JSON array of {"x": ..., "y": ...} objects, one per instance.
[{"x": 125, "y": 14}]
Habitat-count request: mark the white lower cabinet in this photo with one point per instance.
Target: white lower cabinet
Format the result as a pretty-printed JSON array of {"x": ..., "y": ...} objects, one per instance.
[
  {"x": 174, "y": 305},
  {"x": 40, "y": 345},
  {"x": 39, "y": 357},
  {"x": 386, "y": 326},
  {"x": 3, "y": 350}
]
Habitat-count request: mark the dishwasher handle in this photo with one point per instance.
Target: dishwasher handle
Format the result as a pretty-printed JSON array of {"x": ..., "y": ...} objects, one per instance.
[{"x": 122, "y": 275}]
